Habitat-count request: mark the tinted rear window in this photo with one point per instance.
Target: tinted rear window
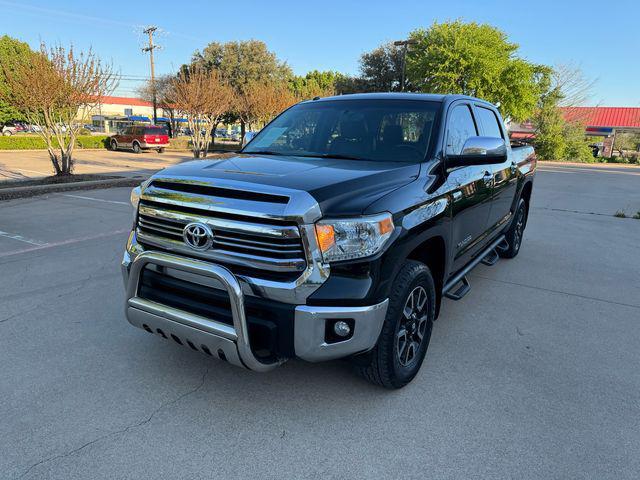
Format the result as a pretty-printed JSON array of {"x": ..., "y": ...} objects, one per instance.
[{"x": 155, "y": 131}]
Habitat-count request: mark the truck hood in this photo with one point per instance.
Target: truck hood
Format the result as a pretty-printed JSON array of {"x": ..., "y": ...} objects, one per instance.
[{"x": 341, "y": 187}]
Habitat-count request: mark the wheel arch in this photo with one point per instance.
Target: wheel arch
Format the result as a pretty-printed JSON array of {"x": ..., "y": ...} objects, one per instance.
[{"x": 433, "y": 253}]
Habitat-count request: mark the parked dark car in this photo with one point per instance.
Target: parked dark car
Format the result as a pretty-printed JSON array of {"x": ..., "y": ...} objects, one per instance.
[
  {"x": 334, "y": 233},
  {"x": 138, "y": 138}
]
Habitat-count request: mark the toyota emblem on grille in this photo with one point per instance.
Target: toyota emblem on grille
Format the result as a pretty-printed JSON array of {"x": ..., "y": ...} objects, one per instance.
[{"x": 198, "y": 236}]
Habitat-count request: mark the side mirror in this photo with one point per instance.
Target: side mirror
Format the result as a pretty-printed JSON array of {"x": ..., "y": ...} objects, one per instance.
[
  {"x": 479, "y": 151},
  {"x": 248, "y": 136}
]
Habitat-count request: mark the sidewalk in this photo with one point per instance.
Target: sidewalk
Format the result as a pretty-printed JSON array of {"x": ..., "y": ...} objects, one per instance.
[{"x": 30, "y": 164}]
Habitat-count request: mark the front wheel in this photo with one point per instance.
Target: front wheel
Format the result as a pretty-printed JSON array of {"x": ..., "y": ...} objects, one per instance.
[
  {"x": 515, "y": 232},
  {"x": 406, "y": 332},
  {"x": 113, "y": 145},
  {"x": 136, "y": 147}
]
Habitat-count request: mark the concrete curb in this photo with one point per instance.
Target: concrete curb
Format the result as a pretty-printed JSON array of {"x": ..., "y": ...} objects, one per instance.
[{"x": 33, "y": 190}]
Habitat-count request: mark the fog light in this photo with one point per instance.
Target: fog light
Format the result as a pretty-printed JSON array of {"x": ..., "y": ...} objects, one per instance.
[{"x": 342, "y": 328}]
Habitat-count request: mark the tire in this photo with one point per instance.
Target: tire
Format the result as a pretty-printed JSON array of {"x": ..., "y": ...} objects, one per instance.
[
  {"x": 113, "y": 145},
  {"x": 515, "y": 232},
  {"x": 7, "y": 133},
  {"x": 393, "y": 363},
  {"x": 161, "y": 150},
  {"x": 136, "y": 147}
]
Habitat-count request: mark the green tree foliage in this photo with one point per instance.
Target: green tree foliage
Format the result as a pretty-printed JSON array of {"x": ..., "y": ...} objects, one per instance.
[
  {"x": 478, "y": 60},
  {"x": 314, "y": 84},
  {"x": 242, "y": 65},
  {"x": 12, "y": 52},
  {"x": 626, "y": 141},
  {"x": 381, "y": 69},
  {"x": 243, "y": 62},
  {"x": 557, "y": 139},
  {"x": 549, "y": 124}
]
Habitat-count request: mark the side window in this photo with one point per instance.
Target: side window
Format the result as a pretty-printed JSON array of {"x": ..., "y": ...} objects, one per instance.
[
  {"x": 489, "y": 121},
  {"x": 461, "y": 127}
]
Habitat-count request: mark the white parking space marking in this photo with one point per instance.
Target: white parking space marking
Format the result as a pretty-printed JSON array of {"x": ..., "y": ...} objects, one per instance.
[
  {"x": 20, "y": 238},
  {"x": 96, "y": 199},
  {"x": 64, "y": 242}
]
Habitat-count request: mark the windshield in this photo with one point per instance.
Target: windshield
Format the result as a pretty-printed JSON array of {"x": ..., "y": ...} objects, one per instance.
[{"x": 379, "y": 130}]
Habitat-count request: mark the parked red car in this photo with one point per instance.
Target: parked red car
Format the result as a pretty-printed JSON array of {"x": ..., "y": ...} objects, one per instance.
[{"x": 138, "y": 138}]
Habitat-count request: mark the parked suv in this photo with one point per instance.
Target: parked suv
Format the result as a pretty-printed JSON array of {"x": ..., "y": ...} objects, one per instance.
[
  {"x": 138, "y": 138},
  {"x": 335, "y": 232}
]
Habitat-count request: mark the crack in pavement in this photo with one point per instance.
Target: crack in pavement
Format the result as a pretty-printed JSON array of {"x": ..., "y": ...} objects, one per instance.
[
  {"x": 559, "y": 291},
  {"x": 121, "y": 431}
]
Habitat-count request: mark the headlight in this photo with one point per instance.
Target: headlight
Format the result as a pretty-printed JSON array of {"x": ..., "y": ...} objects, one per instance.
[
  {"x": 346, "y": 239},
  {"x": 135, "y": 196}
]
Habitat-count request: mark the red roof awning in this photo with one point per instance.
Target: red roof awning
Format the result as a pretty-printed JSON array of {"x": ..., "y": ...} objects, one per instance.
[{"x": 615, "y": 117}]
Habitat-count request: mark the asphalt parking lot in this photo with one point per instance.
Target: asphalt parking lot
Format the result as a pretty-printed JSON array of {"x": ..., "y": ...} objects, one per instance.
[{"x": 533, "y": 375}]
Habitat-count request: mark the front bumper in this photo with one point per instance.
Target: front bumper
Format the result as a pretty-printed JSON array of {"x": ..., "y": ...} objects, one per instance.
[{"x": 232, "y": 342}]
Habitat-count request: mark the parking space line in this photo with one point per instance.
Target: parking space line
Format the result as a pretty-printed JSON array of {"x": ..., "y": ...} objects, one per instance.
[
  {"x": 20, "y": 238},
  {"x": 63, "y": 242},
  {"x": 96, "y": 199}
]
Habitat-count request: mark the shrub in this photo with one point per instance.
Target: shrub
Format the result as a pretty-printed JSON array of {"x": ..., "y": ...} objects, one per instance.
[{"x": 33, "y": 142}]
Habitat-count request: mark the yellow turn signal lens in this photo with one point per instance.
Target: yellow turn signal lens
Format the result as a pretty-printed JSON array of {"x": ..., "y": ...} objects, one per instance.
[
  {"x": 386, "y": 225},
  {"x": 326, "y": 237}
]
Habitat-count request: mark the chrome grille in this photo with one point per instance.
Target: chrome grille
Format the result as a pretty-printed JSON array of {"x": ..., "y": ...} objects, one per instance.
[{"x": 249, "y": 243}]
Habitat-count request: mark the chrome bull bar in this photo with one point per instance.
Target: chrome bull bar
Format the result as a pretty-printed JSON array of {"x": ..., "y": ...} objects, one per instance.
[{"x": 233, "y": 341}]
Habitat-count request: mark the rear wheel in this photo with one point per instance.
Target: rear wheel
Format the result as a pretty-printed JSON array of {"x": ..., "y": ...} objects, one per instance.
[
  {"x": 136, "y": 147},
  {"x": 516, "y": 231},
  {"x": 406, "y": 332},
  {"x": 161, "y": 150}
]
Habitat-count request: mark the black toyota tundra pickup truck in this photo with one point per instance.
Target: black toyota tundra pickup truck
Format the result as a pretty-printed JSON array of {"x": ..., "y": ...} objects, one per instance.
[{"x": 334, "y": 233}]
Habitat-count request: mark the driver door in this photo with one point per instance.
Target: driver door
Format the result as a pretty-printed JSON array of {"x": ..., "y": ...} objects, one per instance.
[{"x": 471, "y": 188}]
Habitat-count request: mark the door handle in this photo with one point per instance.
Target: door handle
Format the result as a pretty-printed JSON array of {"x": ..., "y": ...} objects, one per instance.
[{"x": 487, "y": 178}]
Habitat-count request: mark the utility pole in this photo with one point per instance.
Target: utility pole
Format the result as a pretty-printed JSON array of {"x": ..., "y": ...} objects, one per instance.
[
  {"x": 149, "y": 31},
  {"x": 404, "y": 44}
]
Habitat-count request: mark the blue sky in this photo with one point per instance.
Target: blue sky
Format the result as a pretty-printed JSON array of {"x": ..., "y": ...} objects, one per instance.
[{"x": 602, "y": 38}]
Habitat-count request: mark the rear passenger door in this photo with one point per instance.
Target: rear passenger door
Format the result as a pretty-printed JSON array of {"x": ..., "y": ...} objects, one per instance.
[
  {"x": 470, "y": 187},
  {"x": 504, "y": 174}
]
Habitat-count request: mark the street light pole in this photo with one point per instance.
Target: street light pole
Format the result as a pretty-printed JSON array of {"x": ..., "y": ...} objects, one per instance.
[{"x": 405, "y": 45}]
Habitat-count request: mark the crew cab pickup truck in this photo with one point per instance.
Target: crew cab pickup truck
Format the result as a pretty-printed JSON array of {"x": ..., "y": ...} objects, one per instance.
[{"x": 334, "y": 233}]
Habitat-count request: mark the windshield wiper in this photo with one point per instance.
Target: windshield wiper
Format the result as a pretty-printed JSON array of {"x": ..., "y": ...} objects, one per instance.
[
  {"x": 338, "y": 156},
  {"x": 263, "y": 152}
]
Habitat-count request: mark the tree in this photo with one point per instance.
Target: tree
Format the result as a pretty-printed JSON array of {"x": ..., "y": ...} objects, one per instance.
[
  {"x": 12, "y": 52},
  {"x": 203, "y": 98},
  {"x": 478, "y": 60},
  {"x": 164, "y": 97},
  {"x": 241, "y": 65},
  {"x": 381, "y": 69},
  {"x": 626, "y": 141},
  {"x": 314, "y": 84},
  {"x": 260, "y": 102},
  {"x": 55, "y": 88},
  {"x": 556, "y": 138}
]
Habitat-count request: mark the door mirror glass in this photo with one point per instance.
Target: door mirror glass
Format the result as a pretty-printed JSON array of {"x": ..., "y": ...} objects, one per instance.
[{"x": 479, "y": 151}]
